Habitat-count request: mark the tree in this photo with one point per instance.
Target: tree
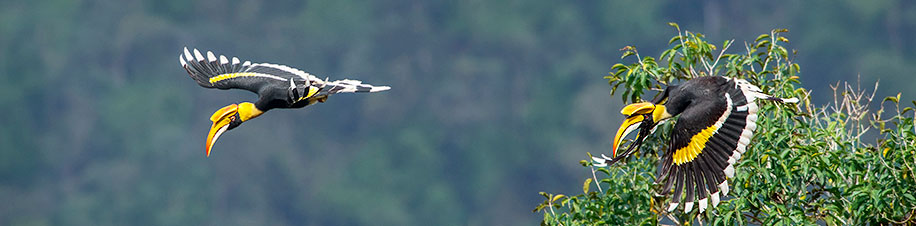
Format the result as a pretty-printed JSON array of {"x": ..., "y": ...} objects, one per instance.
[{"x": 838, "y": 164}]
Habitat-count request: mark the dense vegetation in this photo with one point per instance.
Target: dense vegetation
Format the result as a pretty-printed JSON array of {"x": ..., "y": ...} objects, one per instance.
[
  {"x": 807, "y": 164},
  {"x": 492, "y": 101}
]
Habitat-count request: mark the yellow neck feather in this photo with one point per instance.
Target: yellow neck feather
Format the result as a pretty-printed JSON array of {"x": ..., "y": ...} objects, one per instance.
[
  {"x": 660, "y": 113},
  {"x": 248, "y": 111}
]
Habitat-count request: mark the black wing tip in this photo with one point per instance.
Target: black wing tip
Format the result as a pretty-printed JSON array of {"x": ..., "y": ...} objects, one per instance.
[{"x": 209, "y": 64}]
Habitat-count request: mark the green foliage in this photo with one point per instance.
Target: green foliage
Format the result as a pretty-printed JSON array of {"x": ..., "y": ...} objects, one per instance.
[
  {"x": 806, "y": 165},
  {"x": 103, "y": 127}
]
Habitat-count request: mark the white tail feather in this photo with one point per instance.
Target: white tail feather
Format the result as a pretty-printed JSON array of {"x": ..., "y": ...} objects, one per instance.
[
  {"x": 353, "y": 86},
  {"x": 379, "y": 88}
]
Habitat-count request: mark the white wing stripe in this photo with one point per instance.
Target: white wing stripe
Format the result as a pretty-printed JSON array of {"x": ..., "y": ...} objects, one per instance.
[
  {"x": 294, "y": 71},
  {"x": 269, "y": 76}
]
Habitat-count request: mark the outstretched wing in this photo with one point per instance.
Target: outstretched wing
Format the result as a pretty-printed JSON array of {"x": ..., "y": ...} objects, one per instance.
[
  {"x": 706, "y": 143},
  {"x": 222, "y": 73}
]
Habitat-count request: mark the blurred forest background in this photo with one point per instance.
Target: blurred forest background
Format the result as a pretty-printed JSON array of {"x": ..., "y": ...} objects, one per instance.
[{"x": 491, "y": 102}]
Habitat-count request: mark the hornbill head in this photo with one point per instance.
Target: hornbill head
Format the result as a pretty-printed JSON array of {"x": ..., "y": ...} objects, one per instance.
[
  {"x": 228, "y": 118},
  {"x": 643, "y": 116}
]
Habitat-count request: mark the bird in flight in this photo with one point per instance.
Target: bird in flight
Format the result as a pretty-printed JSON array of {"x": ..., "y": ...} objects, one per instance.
[
  {"x": 277, "y": 86},
  {"x": 717, "y": 120}
]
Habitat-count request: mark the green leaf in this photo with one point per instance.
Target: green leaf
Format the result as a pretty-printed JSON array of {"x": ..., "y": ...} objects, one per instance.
[
  {"x": 586, "y": 185},
  {"x": 626, "y": 54},
  {"x": 782, "y": 39},
  {"x": 667, "y": 54},
  {"x": 762, "y": 44},
  {"x": 557, "y": 197},
  {"x": 782, "y": 51},
  {"x": 539, "y": 207},
  {"x": 618, "y": 66},
  {"x": 909, "y": 197},
  {"x": 761, "y": 37},
  {"x": 674, "y": 39},
  {"x": 603, "y": 170},
  {"x": 894, "y": 99},
  {"x": 673, "y": 24}
]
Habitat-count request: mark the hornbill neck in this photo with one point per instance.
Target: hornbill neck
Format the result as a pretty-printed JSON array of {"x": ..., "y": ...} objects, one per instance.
[{"x": 248, "y": 111}]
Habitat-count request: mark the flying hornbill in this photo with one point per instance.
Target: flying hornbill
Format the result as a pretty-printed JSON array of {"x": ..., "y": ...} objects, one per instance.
[
  {"x": 277, "y": 86},
  {"x": 717, "y": 119}
]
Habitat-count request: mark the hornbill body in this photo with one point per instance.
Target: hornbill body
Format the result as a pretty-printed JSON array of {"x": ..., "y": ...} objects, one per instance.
[
  {"x": 717, "y": 119},
  {"x": 277, "y": 86}
]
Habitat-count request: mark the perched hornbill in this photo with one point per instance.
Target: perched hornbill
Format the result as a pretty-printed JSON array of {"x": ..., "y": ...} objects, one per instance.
[
  {"x": 717, "y": 119},
  {"x": 277, "y": 86}
]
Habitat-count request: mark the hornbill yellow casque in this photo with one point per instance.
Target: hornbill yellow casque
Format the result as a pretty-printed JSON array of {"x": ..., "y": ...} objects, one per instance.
[
  {"x": 717, "y": 119},
  {"x": 277, "y": 86}
]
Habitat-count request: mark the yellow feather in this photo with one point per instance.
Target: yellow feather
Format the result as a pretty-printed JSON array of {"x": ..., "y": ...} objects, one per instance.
[
  {"x": 694, "y": 147},
  {"x": 231, "y": 75}
]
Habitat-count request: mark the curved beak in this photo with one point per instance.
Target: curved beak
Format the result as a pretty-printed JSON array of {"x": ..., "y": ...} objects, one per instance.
[
  {"x": 629, "y": 125},
  {"x": 221, "y": 120}
]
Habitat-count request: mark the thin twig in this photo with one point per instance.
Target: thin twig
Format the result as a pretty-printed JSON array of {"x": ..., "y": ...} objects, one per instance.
[
  {"x": 684, "y": 48},
  {"x": 720, "y": 55},
  {"x": 754, "y": 217},
  {"x": 766, "y": 62},
  {"x": 644, "y": 68},
  {"x": 555, "y": 218},
  {"x": 748, "y": 49},
  {"x": 597, "y": 183}
]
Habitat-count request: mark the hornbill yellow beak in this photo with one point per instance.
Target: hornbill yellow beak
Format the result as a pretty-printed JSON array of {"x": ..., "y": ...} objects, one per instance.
[
  {"x": 643, "y": 116},
  {"x": 221, "y": 120},
  {"x": 228, "y": 118},
  {"x": 629, "y": 125}
]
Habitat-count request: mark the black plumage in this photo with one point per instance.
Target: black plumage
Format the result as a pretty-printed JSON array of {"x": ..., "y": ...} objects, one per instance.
[
  {"x": 277, "y": 86},
  {"x": 717, "y": 117}
]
